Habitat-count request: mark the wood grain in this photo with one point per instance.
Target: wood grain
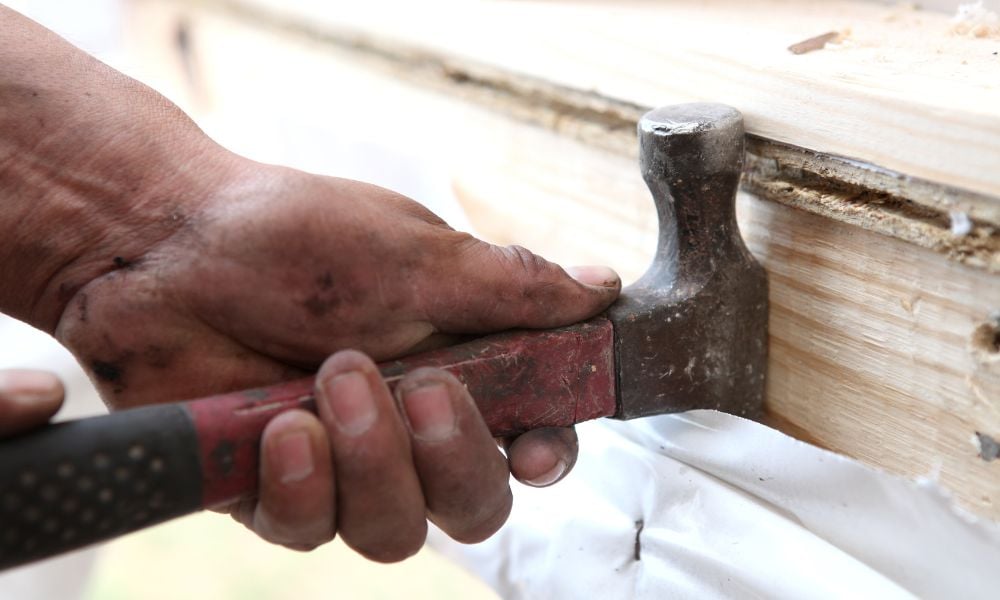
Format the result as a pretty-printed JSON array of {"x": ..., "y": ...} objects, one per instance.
[{"x": 902, "y": 90}]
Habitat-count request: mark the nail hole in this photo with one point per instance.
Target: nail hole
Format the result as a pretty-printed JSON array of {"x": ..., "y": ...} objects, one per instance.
[
  {"x": 986, "y": 338},
  {"x": 989, "y": 449},
  {"x": 985, "y": 342}
]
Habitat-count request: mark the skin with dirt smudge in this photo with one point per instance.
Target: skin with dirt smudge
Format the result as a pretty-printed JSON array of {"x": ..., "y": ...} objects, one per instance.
[{"x": 175, "y": 269}]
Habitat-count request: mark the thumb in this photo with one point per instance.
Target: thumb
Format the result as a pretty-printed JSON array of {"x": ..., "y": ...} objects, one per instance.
[{"x": 493, "y": 288}]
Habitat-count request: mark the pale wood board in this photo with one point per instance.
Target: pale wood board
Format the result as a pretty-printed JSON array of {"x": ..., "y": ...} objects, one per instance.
[
  {"x": 917, "y": 210},
  {"x": 873, "y": 340},
  {"x": 902, "y": 91}
]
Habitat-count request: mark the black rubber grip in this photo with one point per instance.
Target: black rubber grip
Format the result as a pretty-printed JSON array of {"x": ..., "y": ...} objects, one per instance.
[{"x": 69, "y": 485}]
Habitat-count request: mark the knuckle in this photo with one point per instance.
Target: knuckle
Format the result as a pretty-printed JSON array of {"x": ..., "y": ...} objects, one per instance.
[
  {"x": 526, "y": 261},
  {"x": 541, "y": 285}
]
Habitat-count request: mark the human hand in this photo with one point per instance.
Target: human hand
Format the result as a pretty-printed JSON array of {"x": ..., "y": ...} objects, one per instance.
[
  {"x": 27, "y": 399},
  {"x": 273, "y": 271},
  {"x": 174, "y": 269}
]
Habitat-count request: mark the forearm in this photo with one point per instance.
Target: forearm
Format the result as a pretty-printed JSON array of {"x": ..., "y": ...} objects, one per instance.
[{"x": 94, "y": 168}]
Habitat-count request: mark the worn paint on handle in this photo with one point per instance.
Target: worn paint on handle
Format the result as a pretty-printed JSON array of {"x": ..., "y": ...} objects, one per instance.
[{"x": 521, "y": 380}]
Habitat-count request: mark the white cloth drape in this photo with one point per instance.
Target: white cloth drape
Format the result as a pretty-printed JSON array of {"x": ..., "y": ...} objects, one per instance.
[{"x": 706, "y": 505}]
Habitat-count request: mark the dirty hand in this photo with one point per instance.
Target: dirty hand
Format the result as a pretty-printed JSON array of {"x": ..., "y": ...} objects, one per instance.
[
  {"x": 174, "y": 269},
  {"x": 263, "y": 281},
  {"x": 28, "y": 399},
  {"x": 276, "y": 270}
]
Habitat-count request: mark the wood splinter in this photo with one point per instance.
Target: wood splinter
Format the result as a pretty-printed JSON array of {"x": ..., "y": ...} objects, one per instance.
[{"x": 815, "y": 43}]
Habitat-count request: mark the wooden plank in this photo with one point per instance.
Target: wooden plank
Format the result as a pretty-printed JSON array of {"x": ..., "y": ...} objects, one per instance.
[
  {"x": 902, "y": 91},
  {"x": 962, "y": 224},
  {"x": 881, "y": 350}
]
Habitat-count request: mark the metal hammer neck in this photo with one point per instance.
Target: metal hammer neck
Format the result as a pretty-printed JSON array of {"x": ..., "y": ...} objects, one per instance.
[{"x": 692, "y": 164}]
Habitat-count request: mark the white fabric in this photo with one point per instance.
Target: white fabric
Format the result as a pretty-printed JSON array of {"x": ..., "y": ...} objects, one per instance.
[{"x": 730, "y": 509}]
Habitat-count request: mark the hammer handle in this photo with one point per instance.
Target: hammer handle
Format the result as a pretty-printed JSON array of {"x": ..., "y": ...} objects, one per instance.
[{"x": 71, "y": 484}]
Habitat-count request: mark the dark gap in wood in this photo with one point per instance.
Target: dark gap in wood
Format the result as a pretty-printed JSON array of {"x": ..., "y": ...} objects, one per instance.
[{"x": 870, "y": 197}]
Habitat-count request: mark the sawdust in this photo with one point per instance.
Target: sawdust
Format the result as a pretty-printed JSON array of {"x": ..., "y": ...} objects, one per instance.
[
  {"x": 961, "y": 225},
  {"x": 791, "y": 178},
  {"x": 975, "y": 20}
]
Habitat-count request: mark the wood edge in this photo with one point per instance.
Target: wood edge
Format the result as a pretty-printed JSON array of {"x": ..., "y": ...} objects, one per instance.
[{"x": 961, "y": 224}]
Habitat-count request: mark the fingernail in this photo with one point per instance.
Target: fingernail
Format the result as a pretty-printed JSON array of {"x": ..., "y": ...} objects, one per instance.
[
  {"x": 550, "y": 477},
  {"x": 595, "y": 275},
  {"x": 27, "y": 386},
  {"x": 294, "y": 457},
  {"x": 350, "y": 402},
  {"x": 430, "y": 412}
]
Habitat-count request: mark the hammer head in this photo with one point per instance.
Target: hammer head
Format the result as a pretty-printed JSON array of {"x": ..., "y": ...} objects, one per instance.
[{"x": 692, "y": 332}]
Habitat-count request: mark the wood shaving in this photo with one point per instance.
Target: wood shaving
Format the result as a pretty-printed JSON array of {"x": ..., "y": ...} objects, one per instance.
[
  {"x": 975, "y": 20},
  {"x": 817, "y": 43}
]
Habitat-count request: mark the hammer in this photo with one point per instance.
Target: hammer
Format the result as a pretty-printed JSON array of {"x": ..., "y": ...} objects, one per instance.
[{"x": 691, "y": 333}]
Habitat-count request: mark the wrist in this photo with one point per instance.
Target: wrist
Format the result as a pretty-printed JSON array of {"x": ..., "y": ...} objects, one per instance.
[
  {"x": 95, "y": 168},
  {"x": 94, "y": 193}
]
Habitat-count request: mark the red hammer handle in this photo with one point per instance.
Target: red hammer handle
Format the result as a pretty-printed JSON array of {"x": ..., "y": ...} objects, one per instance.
[
  {"x": 71, "y": 484},
  {"x": 520, "y": 380}
]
